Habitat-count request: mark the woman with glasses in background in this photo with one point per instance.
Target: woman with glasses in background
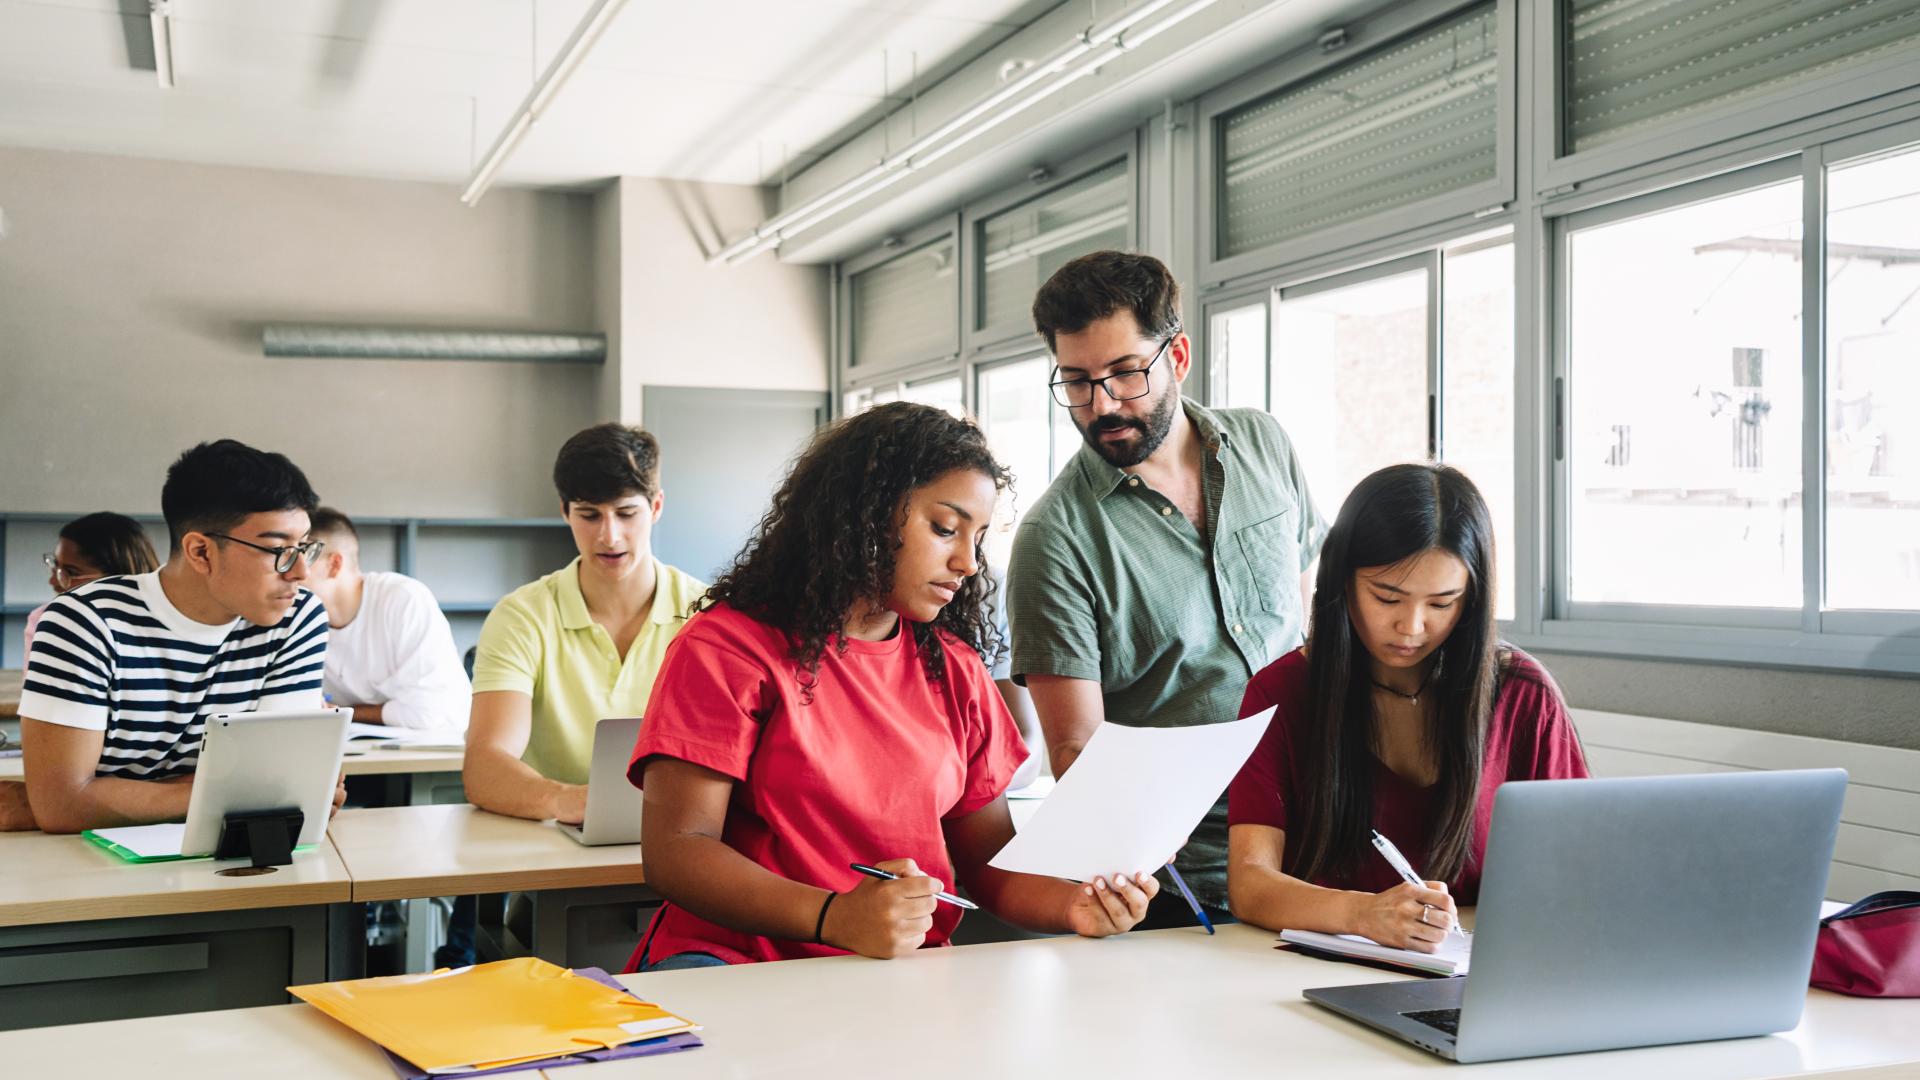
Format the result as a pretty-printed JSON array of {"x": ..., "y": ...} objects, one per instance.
[{"x": 90, "y": 548}]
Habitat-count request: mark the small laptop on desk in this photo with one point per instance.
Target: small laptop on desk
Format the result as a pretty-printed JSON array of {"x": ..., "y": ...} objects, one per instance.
[
  {"x": 1629, "y": 912},
  {"x": 613, "y": 803}
]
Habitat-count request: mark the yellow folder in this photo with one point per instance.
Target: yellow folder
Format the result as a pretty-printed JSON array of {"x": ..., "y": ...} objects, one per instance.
[{"x": 490, "y": 1015}]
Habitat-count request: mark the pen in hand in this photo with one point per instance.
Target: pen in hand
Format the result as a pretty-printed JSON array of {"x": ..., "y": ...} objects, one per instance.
[
  {"x": 876, "y": 872},
  {"x": 1405, "y": 869}
]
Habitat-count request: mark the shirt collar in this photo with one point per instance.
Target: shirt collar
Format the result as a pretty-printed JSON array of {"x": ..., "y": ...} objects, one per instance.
[
  {"x": 573, "y": 602},
  {"x": 1102, "y": 479}
]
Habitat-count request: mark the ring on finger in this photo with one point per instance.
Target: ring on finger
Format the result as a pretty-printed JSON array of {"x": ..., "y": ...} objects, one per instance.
[{"x": 1424, "y": 908}]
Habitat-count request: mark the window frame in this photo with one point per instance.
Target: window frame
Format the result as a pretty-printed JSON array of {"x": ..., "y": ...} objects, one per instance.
[
  {"x": 1875, "y": 86},
  {"x": 854, "y": 377},
  {"x": 1807, "y": 637},
  {"x": 1075, "y": 168},
  {"x": 1364, "y": 35}
]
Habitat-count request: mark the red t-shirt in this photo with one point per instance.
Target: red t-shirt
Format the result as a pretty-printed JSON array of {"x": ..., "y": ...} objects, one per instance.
[
  {"x": 865, "y": 772},
  {"x": 1529, "y": 737}
]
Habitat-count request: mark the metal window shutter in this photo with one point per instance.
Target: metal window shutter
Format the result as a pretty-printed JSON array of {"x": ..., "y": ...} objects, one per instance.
[
  {"x": 1415, "y": 119},
  {"x": 1635, "y": 63},
  {"x": 1022, "y": 247},
  {"x": 908, "y": 307}
]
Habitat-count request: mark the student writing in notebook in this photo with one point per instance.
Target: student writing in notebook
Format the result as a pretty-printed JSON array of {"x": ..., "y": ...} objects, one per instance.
[
  {"x": 1402, "y": 713},
  {"x": 829, "y": 706}
]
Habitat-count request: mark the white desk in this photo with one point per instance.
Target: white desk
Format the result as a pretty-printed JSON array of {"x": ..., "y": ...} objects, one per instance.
[
  {"x": 1167, "y": 1003},
  {"x": 86, "y": 935},
  {"x": 416, "y": 775}
]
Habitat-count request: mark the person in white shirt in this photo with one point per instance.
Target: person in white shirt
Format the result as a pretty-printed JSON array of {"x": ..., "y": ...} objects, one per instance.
[{"x": 391, "y": 654}]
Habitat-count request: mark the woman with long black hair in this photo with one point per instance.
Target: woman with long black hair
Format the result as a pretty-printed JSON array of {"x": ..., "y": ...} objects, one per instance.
[
  {"x": 828, "y": 706},
  {"x": 1401, "y": 715}
]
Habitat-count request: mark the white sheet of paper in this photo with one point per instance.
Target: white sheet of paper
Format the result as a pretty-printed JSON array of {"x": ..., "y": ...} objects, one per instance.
[
  {"x": 148, "y": 841},
  {"x": 1132, "y": 798},
  {"x": 409, "y": 736}
]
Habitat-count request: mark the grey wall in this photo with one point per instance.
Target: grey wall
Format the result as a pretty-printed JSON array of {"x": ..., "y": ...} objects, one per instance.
[
  {"x": 1883, "y": 710},
  {"x": 132, "y": 294}
]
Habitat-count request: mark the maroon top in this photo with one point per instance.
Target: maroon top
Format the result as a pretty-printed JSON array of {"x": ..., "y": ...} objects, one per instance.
[{"x": 1529, "y": 737}]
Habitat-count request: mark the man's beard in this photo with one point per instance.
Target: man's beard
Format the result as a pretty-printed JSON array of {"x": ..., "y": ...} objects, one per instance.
[{"x": 1153, "y": 431}]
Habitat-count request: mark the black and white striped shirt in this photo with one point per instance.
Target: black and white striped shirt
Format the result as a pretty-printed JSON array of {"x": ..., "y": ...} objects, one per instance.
[{"x": 116, "y": 656}]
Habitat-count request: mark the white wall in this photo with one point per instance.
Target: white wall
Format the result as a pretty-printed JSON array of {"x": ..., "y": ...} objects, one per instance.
[
  {"x": 132, "y": 294},
  {"x": 759, "y": 325}
]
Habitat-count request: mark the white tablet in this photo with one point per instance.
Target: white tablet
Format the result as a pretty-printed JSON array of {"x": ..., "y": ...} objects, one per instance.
[{"x": 266, "y": 761}]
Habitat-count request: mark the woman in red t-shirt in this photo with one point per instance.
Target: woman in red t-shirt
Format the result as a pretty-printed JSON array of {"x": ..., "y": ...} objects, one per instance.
[
  {"x": 1401, "y": 714},
  {"x": 829, "y": 706}
]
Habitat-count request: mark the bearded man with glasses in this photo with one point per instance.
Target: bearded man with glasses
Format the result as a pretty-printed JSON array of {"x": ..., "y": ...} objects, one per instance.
[
  {"x": 123, "y": 674},
  {"x": 1167, "y": 562}
]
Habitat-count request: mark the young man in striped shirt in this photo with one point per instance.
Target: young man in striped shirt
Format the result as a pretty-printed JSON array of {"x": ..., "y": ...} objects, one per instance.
[{"x": 124, "y": 672}]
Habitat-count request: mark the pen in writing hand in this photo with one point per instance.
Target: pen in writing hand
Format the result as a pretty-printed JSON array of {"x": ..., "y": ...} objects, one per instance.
[
  {"x": 1405, "y": 869},
  {"x": 1181, "y": 884},
  {"x": 874, "y": 871}
]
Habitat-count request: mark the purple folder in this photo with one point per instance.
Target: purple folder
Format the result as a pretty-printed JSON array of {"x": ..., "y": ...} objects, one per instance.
[{"x": 645, "y": 1048}]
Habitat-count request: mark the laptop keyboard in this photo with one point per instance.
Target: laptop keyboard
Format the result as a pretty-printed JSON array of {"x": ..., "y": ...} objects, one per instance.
[{"x": 1447, "y": 1020}]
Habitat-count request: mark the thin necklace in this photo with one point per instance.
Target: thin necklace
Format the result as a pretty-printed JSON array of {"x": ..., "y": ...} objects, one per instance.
[{"x": 1413, "y": 698}]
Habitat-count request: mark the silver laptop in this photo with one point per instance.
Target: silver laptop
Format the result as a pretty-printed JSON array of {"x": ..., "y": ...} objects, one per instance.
[
  {"x": 613, "y": 803},
  {"x": 1629, "y": 912}
]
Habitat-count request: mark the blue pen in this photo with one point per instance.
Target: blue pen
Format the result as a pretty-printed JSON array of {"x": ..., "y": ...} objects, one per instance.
[
  {"x": 1181, "y": 884},
  {"x": 874, "y": 871}
]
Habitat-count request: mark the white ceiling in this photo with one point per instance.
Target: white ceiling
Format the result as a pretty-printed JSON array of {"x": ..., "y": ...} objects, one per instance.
[{"x": 718, "y": 90}]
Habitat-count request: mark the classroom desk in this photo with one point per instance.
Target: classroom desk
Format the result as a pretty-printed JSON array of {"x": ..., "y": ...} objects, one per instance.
[
  {"x": 580, "y": 893},
  {"x": 1167, "y": 1003},
  {"x": 85, "y": 935},
  {"x": 417, "y": 776}
]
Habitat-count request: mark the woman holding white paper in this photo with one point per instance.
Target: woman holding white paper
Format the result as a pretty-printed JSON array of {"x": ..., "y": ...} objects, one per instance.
[
  {"x": 1402, "y": 714},
  {"x": 828, "y": 706}
]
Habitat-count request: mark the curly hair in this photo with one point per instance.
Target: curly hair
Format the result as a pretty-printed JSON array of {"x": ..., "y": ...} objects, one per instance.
[{"x": 828, "y": 541}]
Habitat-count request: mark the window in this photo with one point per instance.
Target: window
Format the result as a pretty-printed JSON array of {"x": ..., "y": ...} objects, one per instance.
[
  {"x": 1414, "y": 120},
  {"x": 906, "y": 308},
  {"x": 941, "y": 393},
  {"x": 1350, "y": 375},
  {"x": 1684, "y": 393},
  {"x": 1028, "y": 433},
  {"x": 1237, "y": 356},
  {"x": 1477, "y": 380},
  {"x": 1630, "y": 66},
  {"x": 1020, "y": 248},
  {"x": 1873, "y": 383}
]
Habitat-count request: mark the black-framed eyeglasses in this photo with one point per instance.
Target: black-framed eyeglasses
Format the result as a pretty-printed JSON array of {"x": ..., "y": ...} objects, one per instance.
[
  {"x": 64, "y": 577},
  {"x": 283, "y": 557},
  {"x": 1120, "y": 386}
]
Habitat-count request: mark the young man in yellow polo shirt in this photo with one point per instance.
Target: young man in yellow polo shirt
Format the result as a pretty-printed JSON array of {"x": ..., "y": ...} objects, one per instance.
[{"x": 582, "y": 644}]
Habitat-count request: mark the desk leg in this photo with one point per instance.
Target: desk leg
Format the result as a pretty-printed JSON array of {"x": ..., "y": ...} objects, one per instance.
[
  {"x": 590, "y": 927},
  {"x": 346, "y": 941}
]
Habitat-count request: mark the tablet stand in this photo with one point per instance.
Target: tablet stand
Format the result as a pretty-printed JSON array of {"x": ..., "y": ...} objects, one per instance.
[{"x": 264, "y": 836}]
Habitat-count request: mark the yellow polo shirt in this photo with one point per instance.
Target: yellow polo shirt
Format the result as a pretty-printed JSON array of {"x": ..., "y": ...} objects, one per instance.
[{"x": 540, "y": 641}]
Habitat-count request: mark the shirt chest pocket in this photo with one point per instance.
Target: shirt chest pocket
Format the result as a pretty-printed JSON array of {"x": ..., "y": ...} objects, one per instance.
[{"x": 1269, "y": 563}]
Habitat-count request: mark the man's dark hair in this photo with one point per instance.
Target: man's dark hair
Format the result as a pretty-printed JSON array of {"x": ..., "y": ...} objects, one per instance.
[
  {"x": 214, "y": 486},
  {"x": 326, "y": 521},
  {"x": 1094, "y": 286},
  {"x": 606, "y": 463}
]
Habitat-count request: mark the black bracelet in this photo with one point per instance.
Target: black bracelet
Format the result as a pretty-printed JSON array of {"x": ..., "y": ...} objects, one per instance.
[{"x": 820, "y": 924}]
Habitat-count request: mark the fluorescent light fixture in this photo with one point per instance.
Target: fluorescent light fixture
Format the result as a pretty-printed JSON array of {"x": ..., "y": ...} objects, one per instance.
[
  {"x": 542, "y": 94},
  {"x": 160, "y": 16},
  {"x": 1074, "y": 60}
]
